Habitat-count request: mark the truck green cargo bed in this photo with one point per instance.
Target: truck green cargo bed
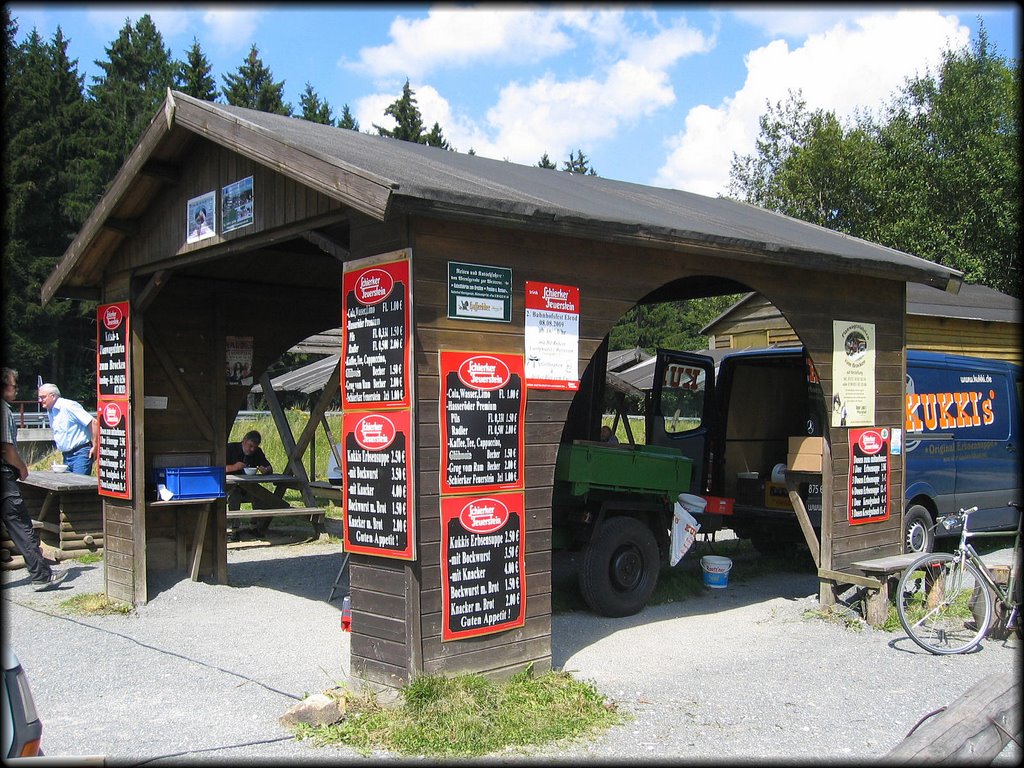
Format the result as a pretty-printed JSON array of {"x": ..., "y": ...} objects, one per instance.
[{"x": 588, "y": 465}]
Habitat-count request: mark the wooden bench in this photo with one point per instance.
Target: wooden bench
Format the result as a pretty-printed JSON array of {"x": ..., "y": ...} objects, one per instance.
[
  {"x": 889, "y": 569},
  {"x": 77, "y": 520},
  {"x": 315, "y": 515}
]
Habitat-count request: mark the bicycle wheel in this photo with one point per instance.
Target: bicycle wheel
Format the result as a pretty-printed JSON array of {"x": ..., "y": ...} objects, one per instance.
[{"x": 944, "y": 607}]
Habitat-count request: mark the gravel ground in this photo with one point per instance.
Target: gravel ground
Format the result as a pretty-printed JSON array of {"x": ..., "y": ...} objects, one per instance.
[{"x": 202, "y": 672}]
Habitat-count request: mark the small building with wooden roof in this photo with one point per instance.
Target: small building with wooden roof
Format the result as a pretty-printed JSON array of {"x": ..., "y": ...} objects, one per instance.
[
  {"x": 295, "y": 212},
  {"x": 977, "y": 322}
]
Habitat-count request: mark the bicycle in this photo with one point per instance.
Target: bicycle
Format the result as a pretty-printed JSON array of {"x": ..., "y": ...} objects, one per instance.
[{"x": 945, "y": 601}]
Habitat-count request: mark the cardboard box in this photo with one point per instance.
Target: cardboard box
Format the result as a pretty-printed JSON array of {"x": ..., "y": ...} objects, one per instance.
[{"x": 805, "y": 454}]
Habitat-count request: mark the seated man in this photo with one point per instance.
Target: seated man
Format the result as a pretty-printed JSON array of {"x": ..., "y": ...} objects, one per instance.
[{"x": 246, "y": 453}]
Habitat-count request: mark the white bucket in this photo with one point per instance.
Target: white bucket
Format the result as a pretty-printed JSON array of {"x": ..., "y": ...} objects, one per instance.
[
  {"x": 716, "y": 571},
  {"x": 695, "y": 505}
]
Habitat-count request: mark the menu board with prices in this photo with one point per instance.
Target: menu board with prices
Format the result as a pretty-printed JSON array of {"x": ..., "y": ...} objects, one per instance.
[
  {"x": 375, "y": 336},
  {"x": 482, "y": 410},
  {"x": 113, "y": 459},
  {"x": 869, "y": 476},
  {"x": 483, "y": 571},
  {"x": 378, "y": 484},
  {"x": 112, "y": 345}
]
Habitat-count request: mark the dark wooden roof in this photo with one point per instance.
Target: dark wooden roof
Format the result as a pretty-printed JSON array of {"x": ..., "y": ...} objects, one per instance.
[
  {"x": 971, "y": 302},
  {"x": 377, "y": 176}
]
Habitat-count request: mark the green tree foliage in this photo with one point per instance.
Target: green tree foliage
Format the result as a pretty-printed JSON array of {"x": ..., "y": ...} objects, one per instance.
[
  {"x": 315, "y": 109},
  {"x": 409, "y": 121},
  {"x": 435, "y": 138},
  {"x": 347, "y": 120},
  {"x": 44, "y": 130},
  {"x": 545, "y": 162},
  {"x": 937, "y": 174},
  {"x": 194, "y": 75},
  {"x": 668, "y": 325},
  {"x": 253, "y": 86},
  {"x": 578, "y": 163},
  {"x": 136, "y": 75}
]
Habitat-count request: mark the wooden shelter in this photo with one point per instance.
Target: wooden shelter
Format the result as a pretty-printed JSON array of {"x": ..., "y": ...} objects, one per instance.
[
  {"x": 977, "y": 322},
  {"x": 301, "y": 206}
]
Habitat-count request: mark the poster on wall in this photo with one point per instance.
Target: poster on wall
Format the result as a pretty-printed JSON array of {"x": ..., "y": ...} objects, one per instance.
[
  {"x": 482, "y": 411},
  {"x": 483, "y": 571},
  {"x": 479, "y": 292},
  {"x": 869, "y": 475},
  {"x": 377, "y": 484},
  {"x": 112, "y": 344},
  {"x": 113, "y": 460},
  {"x": 238, "y": 360},
  {"x": 236, "y": 204},
  {"x": 375, "y": 335},
  {"x": 201, "y": 218},
  {"x": 853, "y": 374},
  {"x": 552, "y": 336}
]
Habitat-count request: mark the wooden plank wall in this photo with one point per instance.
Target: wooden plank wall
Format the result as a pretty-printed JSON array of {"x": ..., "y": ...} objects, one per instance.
[
  {"x": 974, "y": 338},
  {"x": 278, "y": 201}
]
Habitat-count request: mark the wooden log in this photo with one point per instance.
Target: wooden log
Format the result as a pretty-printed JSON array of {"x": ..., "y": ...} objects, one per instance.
[{"x": 975, "y": 728}]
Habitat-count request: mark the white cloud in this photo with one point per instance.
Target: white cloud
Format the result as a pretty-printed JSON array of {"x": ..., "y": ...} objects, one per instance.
[
  {"x": 559, "y": 116},
  {"x": 226, "y": 27},
  {"x": 457, "y": 37},
  {"x": 855, "y": 64},
  {"x": 231, "y": 29}
]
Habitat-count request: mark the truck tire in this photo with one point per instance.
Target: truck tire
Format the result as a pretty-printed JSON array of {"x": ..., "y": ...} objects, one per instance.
[
  {"x": 918, "y": 535},
  {"x": 619, "y": 569}
]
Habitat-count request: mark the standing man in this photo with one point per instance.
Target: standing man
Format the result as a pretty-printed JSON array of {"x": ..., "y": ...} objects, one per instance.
[
  {"x": 16, "y": 518},
  {"x": 76, "y": 433}
]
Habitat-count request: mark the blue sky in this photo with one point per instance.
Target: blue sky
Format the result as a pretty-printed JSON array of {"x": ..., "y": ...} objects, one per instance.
[{"x": 661, "y": 94}]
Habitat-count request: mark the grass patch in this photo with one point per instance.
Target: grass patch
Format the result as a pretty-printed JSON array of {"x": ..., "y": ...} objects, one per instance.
[
  {"x": 95, "y": 604},
  {"x": 89, "y": 558},
  {"x": 837, "y": 614},
  {"x": 470, "y": 716}
]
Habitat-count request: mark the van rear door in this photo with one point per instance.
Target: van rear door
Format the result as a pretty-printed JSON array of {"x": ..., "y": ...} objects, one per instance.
[{"x": 681, "y": 412}]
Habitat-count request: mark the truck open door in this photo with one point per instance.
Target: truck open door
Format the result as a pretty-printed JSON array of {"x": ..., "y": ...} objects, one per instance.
[{"x": 681, "y": 411}]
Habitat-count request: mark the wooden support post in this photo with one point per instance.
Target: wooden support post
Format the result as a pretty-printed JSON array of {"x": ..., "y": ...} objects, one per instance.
[{"x": 973, "y": 729}]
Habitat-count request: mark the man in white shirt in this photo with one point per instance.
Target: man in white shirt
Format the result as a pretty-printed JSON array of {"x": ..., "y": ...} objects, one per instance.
[{"x": 75, "y": 431}]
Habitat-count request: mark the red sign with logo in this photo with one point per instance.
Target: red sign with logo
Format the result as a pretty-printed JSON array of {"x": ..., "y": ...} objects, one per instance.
[
  {"x": 483, "y": 564},
  {"x": 113, "y": 458},
  {"x": 869, "y": 475},
  {"x": 377, "y": 484},
  {"x": 375, "y": 337},
  {"x": 113, "y": 397}
]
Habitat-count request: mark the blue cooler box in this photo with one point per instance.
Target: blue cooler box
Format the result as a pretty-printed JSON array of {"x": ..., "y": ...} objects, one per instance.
[{"x": 192, "y": 482}]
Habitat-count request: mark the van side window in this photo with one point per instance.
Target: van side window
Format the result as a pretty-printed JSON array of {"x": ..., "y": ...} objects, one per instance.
[{"x": 682, "y": 398}]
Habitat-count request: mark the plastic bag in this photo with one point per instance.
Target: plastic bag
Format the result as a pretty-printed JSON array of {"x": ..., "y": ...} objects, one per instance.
[{"x": 684, "y": 531}]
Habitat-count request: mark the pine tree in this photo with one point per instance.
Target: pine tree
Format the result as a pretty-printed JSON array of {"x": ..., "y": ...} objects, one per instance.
[
  {"x": 407, "y": 116},
  {"x": 315, "y": 109},
  {"x": 253, "y": 86},
  {"x": 135, "y": 79},
  {"x": 194, "y": 75},
  {"x": 545, "y": 162},
  {"x": 578, "y": 163},
  {"x": 436, "y": 138},
  {"x": 346, "y": 120}
]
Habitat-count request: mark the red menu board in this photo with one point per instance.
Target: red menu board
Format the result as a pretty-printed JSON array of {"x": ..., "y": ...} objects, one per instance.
[
  {"x": 869, "y": 476},
  {"x": 482, "y": 410},
  {"x": 113, "y": 459},
  {"x": 375, "y": 336},
  {"x": 113, "y": 395},
  {"x": 378, "y": 484},
  {"x": 483, "y": 571}
]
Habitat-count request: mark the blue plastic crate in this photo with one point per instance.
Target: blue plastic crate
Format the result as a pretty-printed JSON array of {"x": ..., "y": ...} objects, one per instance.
[{"x": 192, "y": 482}]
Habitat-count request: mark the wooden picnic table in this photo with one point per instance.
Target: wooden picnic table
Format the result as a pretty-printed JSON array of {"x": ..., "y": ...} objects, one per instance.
[
  {"x": 66, "y": 505},
  {"x": 270, "y": 503}
]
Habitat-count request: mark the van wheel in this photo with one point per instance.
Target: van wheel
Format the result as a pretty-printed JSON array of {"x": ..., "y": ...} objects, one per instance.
[
  {"x": 619, "y": 569},
  {"x": 918, "y": 535}
]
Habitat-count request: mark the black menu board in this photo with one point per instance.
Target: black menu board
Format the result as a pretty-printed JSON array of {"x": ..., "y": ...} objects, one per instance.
[
  {"x": 112, "y": 351},
  {"x": 869, "y": 476},
  {"x": 375, "y": 337},
  {"x": 112, "y": 462},
  {"x": 378, "y": 484},
  {"x": 483, "y": 573},
  {"x": 482, "y": 408}
]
